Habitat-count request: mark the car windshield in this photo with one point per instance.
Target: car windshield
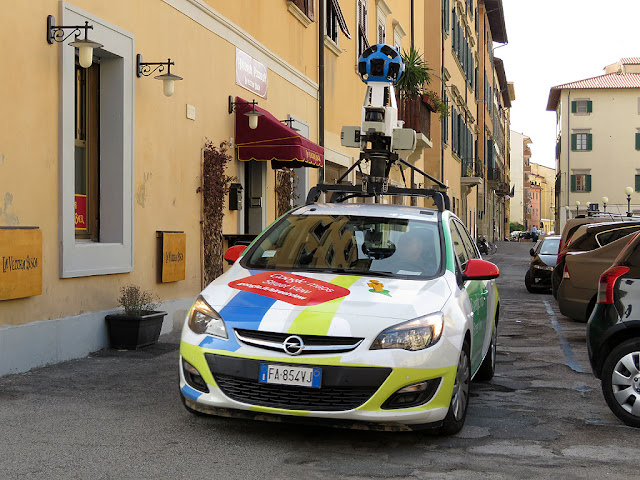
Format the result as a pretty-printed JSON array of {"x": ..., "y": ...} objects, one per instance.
[
  {"x": 349, "y": 244},
  {"x": 550, "y": 246}
]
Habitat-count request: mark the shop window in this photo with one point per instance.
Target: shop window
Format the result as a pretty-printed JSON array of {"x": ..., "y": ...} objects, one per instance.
[
  {"x": 96, "y": 152},
  {"x": 86, "y": 150}
]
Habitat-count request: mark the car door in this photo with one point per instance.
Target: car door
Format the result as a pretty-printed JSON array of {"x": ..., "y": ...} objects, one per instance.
[{"x": 476, "y": 290}]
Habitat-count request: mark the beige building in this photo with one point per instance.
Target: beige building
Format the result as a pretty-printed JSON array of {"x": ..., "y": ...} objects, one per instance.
[
  {"x": 544, "y": 179},
  {"x": 598, "y": 141},
  {"x": 520, "y": 154},
  {"x": 98, "y": 166}
]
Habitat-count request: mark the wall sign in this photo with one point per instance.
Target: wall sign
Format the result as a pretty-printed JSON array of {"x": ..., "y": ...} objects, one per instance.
[
  {"x": 251, "y": 74},
  {"x": 80, "y": 203},
  {"x": 174, "y": 253},
  {"x": 20, "y": 262}
]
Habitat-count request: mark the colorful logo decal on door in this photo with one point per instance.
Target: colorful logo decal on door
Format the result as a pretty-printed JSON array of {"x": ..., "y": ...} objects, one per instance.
[
  {"x": 290, "y": 288},
  {"x": 378, "y": 287}
]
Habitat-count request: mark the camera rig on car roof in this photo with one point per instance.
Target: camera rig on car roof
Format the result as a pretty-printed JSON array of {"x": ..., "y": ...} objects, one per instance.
[{"x": 380, "y": 137}]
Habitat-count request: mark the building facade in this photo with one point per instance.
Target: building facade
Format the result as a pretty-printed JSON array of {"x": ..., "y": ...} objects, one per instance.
[
  {"x": 598, "y": 141},
  {"x": 520, "y": 154},
  {"x": 114, "y": 158}
]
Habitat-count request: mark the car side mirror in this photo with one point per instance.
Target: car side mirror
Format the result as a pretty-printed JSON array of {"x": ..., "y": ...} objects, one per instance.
[
  {"x": 532, "y": 252},
  {"x": 480, "y": 270},
  {"x": 234, "y": 253}
]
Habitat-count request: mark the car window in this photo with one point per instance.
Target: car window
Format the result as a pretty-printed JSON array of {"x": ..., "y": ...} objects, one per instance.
[
  {"x": 349, "y": 243},
  {"x": 458, "y": 246},
  {"x": 472, "y": 251},
  {"x": 608, "y": 236},
  {"x": 549, "y": 246}
]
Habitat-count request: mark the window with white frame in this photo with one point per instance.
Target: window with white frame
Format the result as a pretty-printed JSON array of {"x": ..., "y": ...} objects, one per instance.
[
  {"x": 362, "y": 19},
  {"x": 331, "y": 23},
  {"x": 581, "y": 181},
  {"x": 398, "y": 35},
  {"x": 581, "y": 106},
  {"x": 382, "y": 12},
  {"x": 581, "y": 141},
  {"x": 103, "y": 145}
]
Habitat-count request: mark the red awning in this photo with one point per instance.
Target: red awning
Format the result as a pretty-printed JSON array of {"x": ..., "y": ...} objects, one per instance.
[{"x": 273, "y": 140}]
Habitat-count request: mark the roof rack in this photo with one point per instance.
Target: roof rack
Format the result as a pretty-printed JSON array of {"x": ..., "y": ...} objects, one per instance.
[
  {"x": 378, "y": 183},
  {"x": 340, "y": 193}
]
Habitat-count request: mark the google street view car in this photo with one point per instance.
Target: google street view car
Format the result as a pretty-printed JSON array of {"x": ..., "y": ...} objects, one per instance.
[{"x": 356, "y": 315}]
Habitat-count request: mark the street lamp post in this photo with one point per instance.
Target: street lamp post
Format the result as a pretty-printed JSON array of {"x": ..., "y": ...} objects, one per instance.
[
  {"x": 577, "y": 206},
  {"x": 628, "y": 191},
  {"x": 605, "y": 200}
]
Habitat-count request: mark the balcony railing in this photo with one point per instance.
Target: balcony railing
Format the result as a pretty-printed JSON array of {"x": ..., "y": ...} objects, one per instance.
[
  {"x": 416, "y": 113},
  {"x": 471, "y": 168}
]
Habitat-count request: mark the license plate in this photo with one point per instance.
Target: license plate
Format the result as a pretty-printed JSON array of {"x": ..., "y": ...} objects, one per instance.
[{"x": 290, "y": 375}]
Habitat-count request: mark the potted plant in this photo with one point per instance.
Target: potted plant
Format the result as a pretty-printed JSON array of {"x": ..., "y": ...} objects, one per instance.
[
  {"x": 139, "y": 324},
  {"x": 413, "y": 82}
]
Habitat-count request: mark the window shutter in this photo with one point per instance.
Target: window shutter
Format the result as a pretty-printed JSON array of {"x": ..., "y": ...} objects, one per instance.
[
  {"x": 574, "y": 141},
  {"x": 637, "y": 183},
  {"x": 589, "y": 141},
  {"x": 588, "y": 182},
  {"x": 574, "y": 106},
  {"x": 573, "y": 183},
  {"x": 637, "y": 141},
  {"x": 589, "y": 106}
]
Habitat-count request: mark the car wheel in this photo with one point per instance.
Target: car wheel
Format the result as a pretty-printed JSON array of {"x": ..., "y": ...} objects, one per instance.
[
  {"x": 488, "y": 367},
  {"x": 527, "y": 283},
  {"x": 621, "y": 381},
  {"x": 457, "y": 413}
]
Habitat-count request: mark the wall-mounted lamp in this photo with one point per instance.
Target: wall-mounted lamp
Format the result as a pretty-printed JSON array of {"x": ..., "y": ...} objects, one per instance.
[
  {"x": 628, "y": 191},
  {"x": 605, "y": 200},
  {"x": 252, "y": 114},
  {"x": 85, "y": 46},
  {"x": 143, "y": 69}
]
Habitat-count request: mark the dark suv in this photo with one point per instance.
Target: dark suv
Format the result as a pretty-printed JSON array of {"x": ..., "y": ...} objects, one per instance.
[{"x": 613, "y": 334}]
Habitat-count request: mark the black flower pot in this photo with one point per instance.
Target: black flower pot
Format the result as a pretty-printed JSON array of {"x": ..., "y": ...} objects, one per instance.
[{"x": 134, "y": 331}]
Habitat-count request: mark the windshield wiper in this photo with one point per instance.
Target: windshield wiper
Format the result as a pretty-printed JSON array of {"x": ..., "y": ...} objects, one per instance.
[{"x": 370, "y": 273}]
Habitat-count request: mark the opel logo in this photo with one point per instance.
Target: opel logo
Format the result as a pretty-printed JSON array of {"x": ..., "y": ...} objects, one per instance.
[{"x": 293, "y": 345}]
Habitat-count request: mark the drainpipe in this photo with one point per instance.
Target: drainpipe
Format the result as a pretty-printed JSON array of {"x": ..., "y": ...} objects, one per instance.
[
  {"x": 411, "y": 24},
  {"x": 321, "y": 30},
  {"x": 568, "y": 147}
]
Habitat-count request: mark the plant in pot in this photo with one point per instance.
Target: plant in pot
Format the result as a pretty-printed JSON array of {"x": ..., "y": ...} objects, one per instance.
[
  {"x": 413, "y": 82},
  {"x": 139, "y": 324}
]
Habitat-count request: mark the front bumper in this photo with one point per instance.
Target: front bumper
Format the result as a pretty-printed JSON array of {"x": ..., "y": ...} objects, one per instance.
[
  {"x": 350, "y": 392},
  {"x": 541, "y": 276}
]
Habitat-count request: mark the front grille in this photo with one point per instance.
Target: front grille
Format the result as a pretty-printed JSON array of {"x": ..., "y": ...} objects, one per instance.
[
  {"x": 292, "y": 398},
  {"x": 313, "y": 344},
  {"x": 343, "y": 388}
]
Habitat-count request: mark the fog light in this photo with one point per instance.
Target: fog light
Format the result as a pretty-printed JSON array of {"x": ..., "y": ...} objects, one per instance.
[
  {"x": 193, "y": 377},
  {"x": 412, "y": 395}
]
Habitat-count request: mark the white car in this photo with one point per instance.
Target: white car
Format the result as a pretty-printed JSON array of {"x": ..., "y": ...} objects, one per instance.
[{"x": 356, "y": 315}]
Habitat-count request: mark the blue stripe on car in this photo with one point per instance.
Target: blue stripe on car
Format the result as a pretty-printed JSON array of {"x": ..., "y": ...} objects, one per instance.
[
  {"x": 191, "y": 393},
  {"x": 245, "y": 310}
]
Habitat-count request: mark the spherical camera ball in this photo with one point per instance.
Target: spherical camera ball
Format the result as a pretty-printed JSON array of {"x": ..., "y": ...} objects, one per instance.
[{"x": 380, "y": 63}]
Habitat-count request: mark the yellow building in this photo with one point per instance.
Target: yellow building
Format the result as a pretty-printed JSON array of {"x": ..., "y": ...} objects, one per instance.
[{"x": 102, "y": 165}]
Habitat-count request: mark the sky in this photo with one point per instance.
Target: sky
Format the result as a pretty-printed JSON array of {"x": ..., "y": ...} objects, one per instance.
[{"x": 552, "y": 42}]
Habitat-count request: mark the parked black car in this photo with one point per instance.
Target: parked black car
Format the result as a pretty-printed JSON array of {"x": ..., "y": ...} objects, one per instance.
[
  {"x": 613, "y": 334},
  {"x": 545, "y": 254}
]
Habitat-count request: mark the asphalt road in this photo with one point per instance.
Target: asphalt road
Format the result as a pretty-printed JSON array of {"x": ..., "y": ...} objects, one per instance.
[{"x": 117, "y": 415}]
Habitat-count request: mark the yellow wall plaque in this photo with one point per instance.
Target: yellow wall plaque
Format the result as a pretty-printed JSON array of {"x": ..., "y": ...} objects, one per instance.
[
  {"x": 20, "y": 262},
  {"x": 174, "y": 253}
]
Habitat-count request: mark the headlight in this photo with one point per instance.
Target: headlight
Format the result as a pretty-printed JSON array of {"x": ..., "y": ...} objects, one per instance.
[
  {"x": 416, "y": 334},
  {"x": 542, "y": 267},
  {"x": 204, "y": 319}
]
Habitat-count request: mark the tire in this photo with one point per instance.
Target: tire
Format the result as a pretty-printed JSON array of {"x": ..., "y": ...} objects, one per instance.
[
  {"x": 621, "y": 381},
  {"x": 488, "y": 367},
  {"x": 457, "y": 413},
  {"x": 527, "y": 283}
]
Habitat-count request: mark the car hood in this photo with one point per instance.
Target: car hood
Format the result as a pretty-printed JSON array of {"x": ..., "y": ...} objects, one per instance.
[{"x": 321, "y": 303}]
